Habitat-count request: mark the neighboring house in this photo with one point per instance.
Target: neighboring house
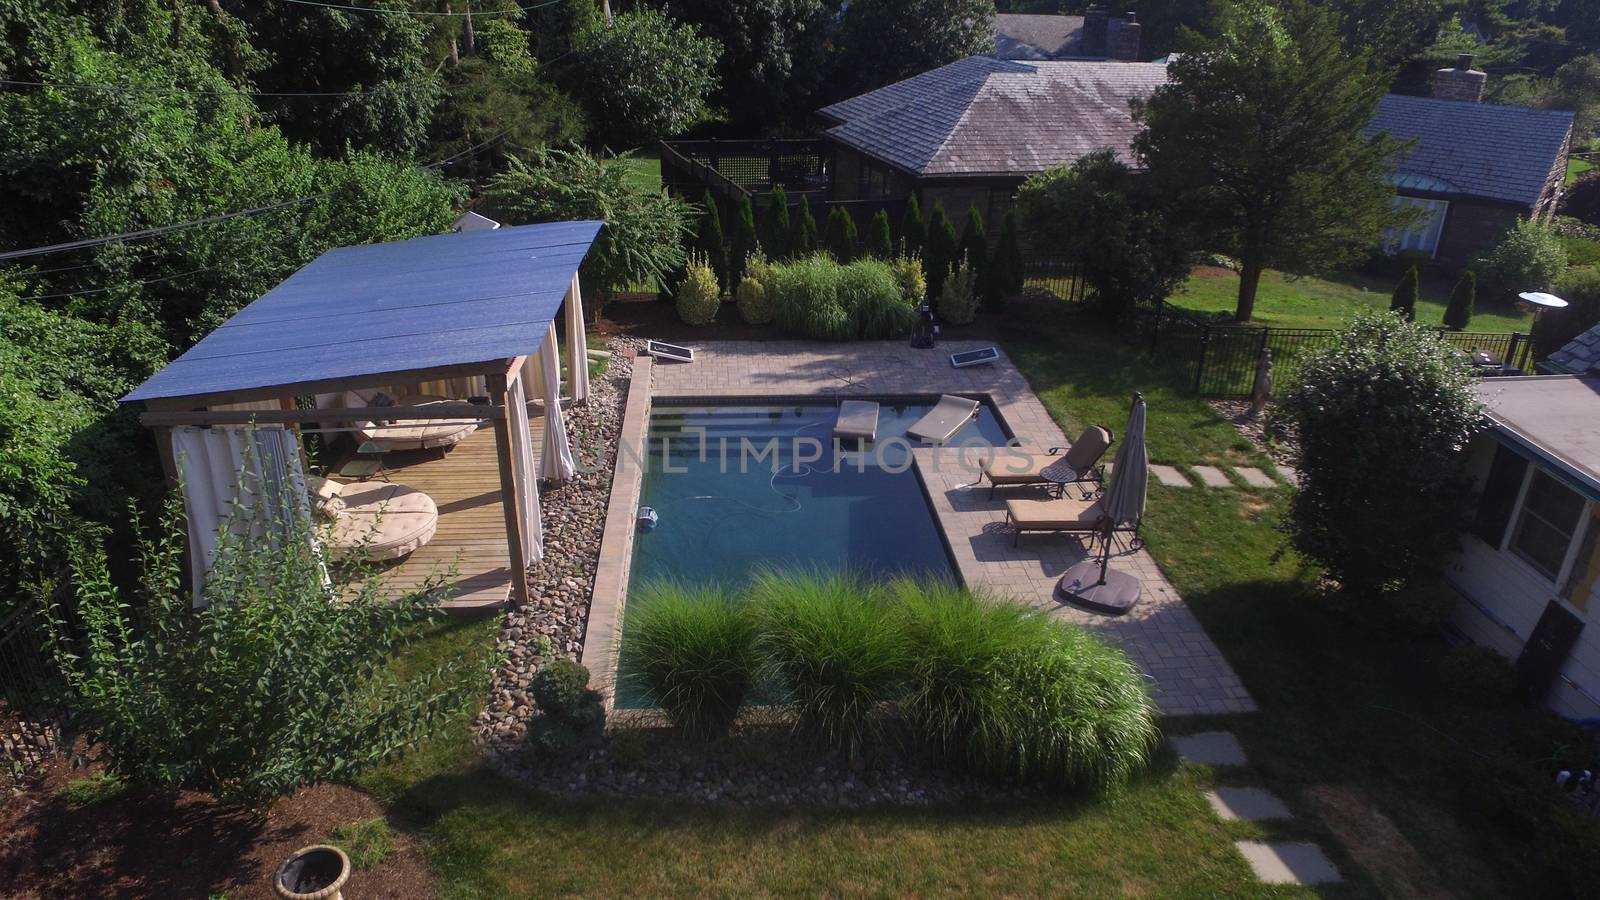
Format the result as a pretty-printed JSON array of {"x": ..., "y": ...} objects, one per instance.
[
  {"x": 1530, "y": 567},
  {"x": 1579, "y": 356},
  {"x": 1093, "y": 35}
]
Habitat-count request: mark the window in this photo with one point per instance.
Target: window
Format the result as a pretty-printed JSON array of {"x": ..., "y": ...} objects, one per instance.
[
  {"x": 1586, "y": 568},
  {"x": 1549, "y": 518},
  {"x": 1499, "y": 496},
  {"x": 874, "y": 182},
  {"x": 1423, "y": 233}
]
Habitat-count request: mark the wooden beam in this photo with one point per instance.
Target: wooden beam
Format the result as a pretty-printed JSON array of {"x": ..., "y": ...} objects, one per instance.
[
  {"x": 442, "y": 412},
  {"x": 510, "y": 498},
  {"x": 332, "y": 385}
]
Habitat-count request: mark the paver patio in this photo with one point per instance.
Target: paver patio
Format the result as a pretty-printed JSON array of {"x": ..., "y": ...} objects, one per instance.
[{"x": 1161, "y": 634}]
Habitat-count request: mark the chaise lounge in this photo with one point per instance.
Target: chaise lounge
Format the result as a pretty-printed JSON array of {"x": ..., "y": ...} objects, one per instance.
[
  {"x": 1070, "y": 516},
  {"x": 407, "y": 434},
  {"x": 1015, "y": 465}
]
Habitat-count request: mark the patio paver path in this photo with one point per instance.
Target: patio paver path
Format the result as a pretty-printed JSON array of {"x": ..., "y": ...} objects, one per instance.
[
  {"x": 1292, "y": 862},
  {"x": 1251, "y": 804},
  {"x": 1255, "y": 477},
  {"x": 1212, "y": 477},
  {"x": 1169, "y": 476},
  {"x": 1210, "y": 748}
]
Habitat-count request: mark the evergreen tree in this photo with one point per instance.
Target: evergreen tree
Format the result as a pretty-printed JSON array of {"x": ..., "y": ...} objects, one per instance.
[
  {"x": 802, "y": 230},
  {"x": 1005, "y": 266},
  {"x": 841, "y": 235},
  {"x": 913, "y": 231},
  {"x": 1458, "y": 315},
  {"x": 709, "y": 240},
  {"x": 939, "y": 253},
  {"x": 775, "y": 225},
  {"x": 880, "y": 244},
  {"x": 974, "y": 248},
  {"x": 1405, "y": 295},
  {"x": 745, "y": 241}
]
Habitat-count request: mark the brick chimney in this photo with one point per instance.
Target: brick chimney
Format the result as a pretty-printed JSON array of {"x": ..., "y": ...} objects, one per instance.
[
  {"x": 1460, "y": 83},
  {"x": 1124, "y": 42},
  {"x": 1095, "y": 21}
]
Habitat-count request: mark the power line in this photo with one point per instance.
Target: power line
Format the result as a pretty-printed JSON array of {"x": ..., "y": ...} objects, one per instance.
[
  {"x": 109, "y": 87},
  {"x": 419, "y": 12},
  {"x": 131, "y": 284}
]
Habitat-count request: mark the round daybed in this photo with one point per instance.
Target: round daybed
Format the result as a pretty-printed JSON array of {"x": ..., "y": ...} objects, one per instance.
[
  {"x": 375, "y": 519},
  {"x": 410, "y": 434}
]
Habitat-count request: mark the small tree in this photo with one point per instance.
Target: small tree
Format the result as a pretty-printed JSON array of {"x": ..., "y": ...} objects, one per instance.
[
  {"x": 913, "y": 231},
  {"x": 775, "y": 225},
  {"x": 699, "y": 295},
  {"x": 278, "y": 683},
  {"x": 841, "y": 235},
  {"x": 939, "y": 255},
  {"x": 1404, "y": 299},
  {"x": 1005, "y": 276},
  {"x": 880, "y": 244},
  {"x": 1527, "y": 258},
  {"x": 709, "y": 240},
  {"x": 642, "y": 77},
  {"x": 974, "y": 248},
  {"x": 1458, "y": 315},
  {"x": 803, "y": 230},
  {"x": 1389, "y": 398},
  {"x": 745, "y": 241}
]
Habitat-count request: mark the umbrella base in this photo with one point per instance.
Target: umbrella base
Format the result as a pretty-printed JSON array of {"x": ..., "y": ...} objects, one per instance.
[{"x": 1114, "y": 596}]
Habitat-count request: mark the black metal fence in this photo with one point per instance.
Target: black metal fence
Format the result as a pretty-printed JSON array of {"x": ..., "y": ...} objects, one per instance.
[
  {"x": 1060, "y": 279},
  {"x": 29, "y": 696}
]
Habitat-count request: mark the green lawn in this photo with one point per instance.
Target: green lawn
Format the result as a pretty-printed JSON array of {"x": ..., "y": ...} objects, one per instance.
[
  {"x": 645, "y": 170},
  {"x": 1286, "y": 302},
  {"x": 1577, "y": 167}
]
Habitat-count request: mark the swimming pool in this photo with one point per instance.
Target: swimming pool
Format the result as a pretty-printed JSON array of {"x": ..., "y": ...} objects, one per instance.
[{"x": 739, "y": 487}]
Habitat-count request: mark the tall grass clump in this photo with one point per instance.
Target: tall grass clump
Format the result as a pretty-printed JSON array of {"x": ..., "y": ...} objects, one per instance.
[
  {"x": 1010, "y": 692},
  {"x": 693, "y": 650},
  {"x": 806, "y": 301},
  {"x": 871, "y": 292},
  {"x": 835, "y": 648}
]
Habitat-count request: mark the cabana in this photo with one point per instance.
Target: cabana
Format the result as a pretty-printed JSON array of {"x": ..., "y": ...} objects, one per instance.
[{"x": 468, "y": 317}]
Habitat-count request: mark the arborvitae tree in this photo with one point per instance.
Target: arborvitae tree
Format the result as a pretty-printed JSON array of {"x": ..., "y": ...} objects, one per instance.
[
  {"x": 775, "y": 225},
  {"x": 802, "y": 230},
  {"x": 1458, "y": 315},
  {"x": 913, "y": 231},
  {"x": 1405, "y": 295},
  {"x": 974, "y": 248},
  {"x": 841, "y": 235},
  {"x": 745, "y": 241},
  {"x": 1005, "y": 266},
  {"x": 708, "y": 238},
  {"x": 880, "y": 244},
  {"x": 939, "y": 252}
]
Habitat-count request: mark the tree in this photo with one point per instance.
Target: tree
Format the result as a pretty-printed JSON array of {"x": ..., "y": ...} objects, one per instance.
[
  {"x": 279, "y": 682},
  {"x": 1389, "y": 31},
  {"x": 775, "y": 225},
  {"x": 774, "y": 53},
  {"x": 1458, "y": 315},
  {"x": 880, "y": 244},
  {"x": 883, "y": 41},
  {"x": 516, "y": 110},
  {"x": 1260, "y": 132},
  {"x": 841, "y": 235},
  {"x": 939, "y": 255},
  {"x": 1577, "y": 88},
  {"x": 643, "y": 77},
  {"x": 1404, "y": 300},
  {"x": 708, "y": 239},
  {"x": 556, "y": 27},
  {"x": 1582, "y": 201},
  {"x": 1527, "y": 258},
  {"x": 645, "y": 229},
  {"x": 1388, "y": 398},
  {"x": 1005, "y": 268},
  {"x": 802, "y": 229},
  {"x": 974, "y": 248},
  {"x": 913, "y": 231},
  {"x": 1117, "y": 227},
  {"x": 745, "y": 241}
]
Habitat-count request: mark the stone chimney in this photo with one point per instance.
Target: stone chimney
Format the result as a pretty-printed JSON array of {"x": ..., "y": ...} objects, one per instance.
[
  {"x": 1460, "y": 83},
  {"x": 1124, "y": 43},
  {"x": 1095, "y": 21}
]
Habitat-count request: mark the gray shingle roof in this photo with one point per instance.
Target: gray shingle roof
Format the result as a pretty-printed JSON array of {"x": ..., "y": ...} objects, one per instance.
[
  {"x": 980, "y": 116},
  {"x": 1022, "y": 36},
  {"x": 1503, "y": 153},
  {"x": 1580, "y": 356}
]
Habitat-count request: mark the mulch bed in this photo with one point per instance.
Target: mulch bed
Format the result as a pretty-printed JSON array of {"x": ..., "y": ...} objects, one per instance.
[{"x": 181, "y": 844}]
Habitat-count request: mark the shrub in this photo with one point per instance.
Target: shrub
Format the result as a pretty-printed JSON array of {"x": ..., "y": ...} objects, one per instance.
[
  {"x": 1581, "y": 251},
  {"x": 1404, "y": 300},
  {"x": 571, "y": 713},
  {"x": 805, "y": 300},
  {"x": 699, "y": 296},
  {"x": 1527, "y": 258},
  {"x": 1010, "y": 692},
  {"x": 913, "y": 231},
  {"x": 775, "y": 225},
  {"x": 693, "y": 649},
  {"x": 834, "y": 649},
  {"x": 958, "y": 300},
  {"x": 880, "y": 244},
  {"x": 368, "y": 842},
  {"x": 1581, "y": 289},
  {"x": 974, "y": 248},
  {"x": 708, "y": 239},
  {"x": 1006, "y": 277},
  {"x": 870, "y": 290},
  {"x": 279, "y": 682},
  {"x": 939, "y": 254},
  {"x": 1382, "y": 417},
  {"x": 841, "y": 239},
  {"x": 745, "y": 241},
  {"x": 753, "y": 306},
  {"x": 913, "y": 283},
  {"x": 1458, "y": 315},
  {"x": 802, "y": 229},
  {"x": 90, "y": 790},
  {"x": 1582, "y": 200},
  {"x": 1478, "y": 674}
]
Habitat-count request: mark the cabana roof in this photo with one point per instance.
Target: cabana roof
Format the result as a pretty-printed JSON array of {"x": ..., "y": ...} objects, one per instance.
[{"x": 422, "y": 305}]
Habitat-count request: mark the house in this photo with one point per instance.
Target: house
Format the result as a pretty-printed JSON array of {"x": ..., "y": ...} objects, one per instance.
[
  {"x": 1529, "y": 569},
  {"x": 1579, "y": 356},
  {"x": 1092, "y": 35}
]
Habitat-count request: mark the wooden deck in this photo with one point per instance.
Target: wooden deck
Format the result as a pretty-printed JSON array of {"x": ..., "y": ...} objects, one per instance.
[{"x": 465, "y": 484}]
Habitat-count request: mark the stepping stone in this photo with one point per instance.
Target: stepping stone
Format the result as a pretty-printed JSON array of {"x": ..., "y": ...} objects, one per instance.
[
  {"x": 1255, "y": 477},
  {"x": 1169, "y": 476},
  {"x": 1211, "y": 476},
  {"x": 1289, "y": 474},
  {"x": 1249, "y": 803},
  {"x": 1210, "y": 748},
  {"x": 1288, "y": 863}
]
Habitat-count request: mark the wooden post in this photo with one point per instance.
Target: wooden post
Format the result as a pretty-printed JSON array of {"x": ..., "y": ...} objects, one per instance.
[{"x": 510, "y": 498}]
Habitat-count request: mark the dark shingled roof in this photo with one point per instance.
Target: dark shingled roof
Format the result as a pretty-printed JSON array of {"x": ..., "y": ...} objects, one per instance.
[
  {"x": 1021, "y": 36},
  {"x": 982, "y": 116},
  {"x": 1503, "y": 153},
  {"x": 1580, "y": 356}
]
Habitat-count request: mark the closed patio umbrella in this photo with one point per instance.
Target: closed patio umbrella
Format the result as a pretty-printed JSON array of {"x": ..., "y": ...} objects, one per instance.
[{"x": 1092, "y": 582}]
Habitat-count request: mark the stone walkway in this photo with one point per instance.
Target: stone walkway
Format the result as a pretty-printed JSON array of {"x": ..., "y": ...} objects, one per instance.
[{"x": 1161, "y": 634}]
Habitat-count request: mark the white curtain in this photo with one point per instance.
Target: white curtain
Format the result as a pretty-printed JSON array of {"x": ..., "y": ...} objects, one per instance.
[
  {"x": 245, "y": 478},
  {"x": 577, "y": 345},
  {"x": 527, "y": 476},
  {"x": 543, "y": 373}
]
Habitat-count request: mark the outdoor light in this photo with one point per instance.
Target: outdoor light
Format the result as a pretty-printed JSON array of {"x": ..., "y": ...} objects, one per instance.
[{"x": 922, "y": 337}]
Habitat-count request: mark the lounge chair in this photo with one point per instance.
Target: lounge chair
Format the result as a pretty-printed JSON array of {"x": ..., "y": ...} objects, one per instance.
[
  {"x": 944, "y": 420},
  {"x": 1073, "y": 516},
  {"x": 407, "y": 434},
  {"x": 374, "y": 519},
  {"x": 1012, "y": 466},
  {"x": 857, "y": 421}
]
